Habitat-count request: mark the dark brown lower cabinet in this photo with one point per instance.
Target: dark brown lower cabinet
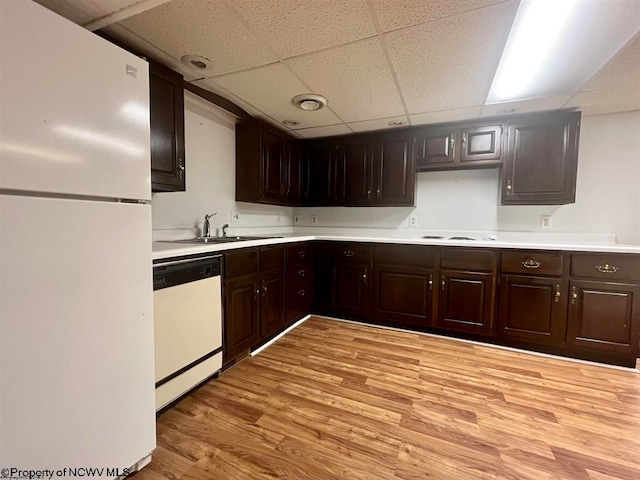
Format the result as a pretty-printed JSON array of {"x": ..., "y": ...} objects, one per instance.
[
  {"x": 532, "y": 308},
  {"x": 604, "y": 316},
  {"x": 466, "y": 302},
  {"x": 299, "y": 301},
  {"x": 349, "y": 289},
  {"x": 272, "y": 311},
  {"x": 242, "y": 312},
  {"x": 402, "y": 294}
]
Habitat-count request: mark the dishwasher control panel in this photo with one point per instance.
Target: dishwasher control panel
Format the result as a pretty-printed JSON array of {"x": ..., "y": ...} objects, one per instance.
[{"x": 178, "y": 272}]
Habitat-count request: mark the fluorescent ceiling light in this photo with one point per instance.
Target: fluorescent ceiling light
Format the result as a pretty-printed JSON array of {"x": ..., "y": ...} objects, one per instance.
[{"x": 557, "y": 45}]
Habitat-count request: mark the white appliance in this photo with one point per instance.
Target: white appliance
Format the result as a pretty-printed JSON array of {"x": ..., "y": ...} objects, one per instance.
[
  {"x": 187, "y": 307},
  {"x": 76, "y": 292}
]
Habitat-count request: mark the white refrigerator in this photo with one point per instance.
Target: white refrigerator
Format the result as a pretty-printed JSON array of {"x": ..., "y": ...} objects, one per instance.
[{"x": 76, "y": 291}]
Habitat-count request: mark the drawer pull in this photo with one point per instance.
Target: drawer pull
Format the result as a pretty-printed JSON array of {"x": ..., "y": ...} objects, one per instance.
[
  {"x": 430, "y": 282},
  {"x": 364, "y": 276},
  {"x": 301, "y": 253},
  {"x": 557, "y": 296},
  {"x": 301, "y": 272},
  {"x": 348, "y": 253},
  {"x": 444, "y": 282},
  {"x": 574, "y": 295},
  {"x": 606, "y": 268},
  {"x": 301, "y": 293},
  {"x": 531, "y": 263}
]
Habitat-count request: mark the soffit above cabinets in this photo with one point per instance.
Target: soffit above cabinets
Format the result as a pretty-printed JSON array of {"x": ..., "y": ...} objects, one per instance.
[{"x": 376, "y": 61}]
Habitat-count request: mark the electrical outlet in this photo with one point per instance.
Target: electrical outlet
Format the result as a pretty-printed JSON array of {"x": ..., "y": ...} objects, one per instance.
[
  {"x": 545, "y": 222},
  {"x": 413, "y": 220},
  {"x": 314, "y": 219},
  {"x": 278, "y": 220},
  {"x": 235, "y": 217},
  {"x": 296, "y": 219}
]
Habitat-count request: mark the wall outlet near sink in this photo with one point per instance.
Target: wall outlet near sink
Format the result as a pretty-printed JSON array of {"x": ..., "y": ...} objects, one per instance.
[
  {"x": 314, "y": 219},
  {"x": 235, "y": 217},
  {"x": 413, "y": 219},
  {"x": 296, "y": 219}
]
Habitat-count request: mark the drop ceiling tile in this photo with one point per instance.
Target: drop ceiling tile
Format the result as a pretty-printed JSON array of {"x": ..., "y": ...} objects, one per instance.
[
  {"x": 205, "y": 27},
  {"x": 606, "y": 101},
  {"x": 524, "y": 106},
  {"x": 327, "y": 131},
  {"x": 294, "y": 27},
  {"x": 442, "y": 116},
  {"x": 85, "y": 11},
  {"x": 355, "y": 78},
  {"x": 623, "y": 71},
  {"x": 377, "y": 124},
  {"x": 450, "y": 63},
  {"x": 394, "y": 14},
  {"x": 270, "y": 90}
]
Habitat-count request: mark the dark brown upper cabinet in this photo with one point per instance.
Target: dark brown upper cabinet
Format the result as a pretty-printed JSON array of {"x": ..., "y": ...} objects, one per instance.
[
  {"x": 541, "y": 159},
  {"x": 268, "y": 165},
  {"x": 166, "y": 105},
  {"x": 376, "y": 170},
  {"x": 320, "y": 179},
  {"x": 458, "y": 146}
]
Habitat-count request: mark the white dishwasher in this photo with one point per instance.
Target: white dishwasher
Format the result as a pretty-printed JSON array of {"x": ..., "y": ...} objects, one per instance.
[{"x": 188, "y": 324}]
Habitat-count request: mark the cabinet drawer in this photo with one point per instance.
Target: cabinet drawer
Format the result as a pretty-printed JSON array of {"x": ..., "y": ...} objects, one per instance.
[
  {"x": 532, "y": 262},
  {"x": 404, "y": 255},
  {"x": 272, "y": 257},
  {"x": 468, "y": 259},
  {"x": 606, "y": 266},
  {"x": 350, "y": 252},
  {"x": 297, "y": 272},
  {"x": 241, "y": 262},
  {"x": 299, "y": 252}
]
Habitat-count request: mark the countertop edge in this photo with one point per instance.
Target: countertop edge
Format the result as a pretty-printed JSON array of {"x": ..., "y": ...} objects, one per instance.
[{"x": 182, "y": 250}]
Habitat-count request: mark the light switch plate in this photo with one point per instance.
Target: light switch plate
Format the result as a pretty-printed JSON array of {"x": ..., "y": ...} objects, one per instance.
[{"x": 545, "y": 222}]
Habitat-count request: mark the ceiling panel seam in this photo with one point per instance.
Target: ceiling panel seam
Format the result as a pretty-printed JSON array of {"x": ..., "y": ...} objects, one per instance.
[{"x": 387, "y": 57}]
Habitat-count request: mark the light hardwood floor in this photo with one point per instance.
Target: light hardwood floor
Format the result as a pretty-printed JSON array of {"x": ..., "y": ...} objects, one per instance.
[{"x": 338, "y": 400}]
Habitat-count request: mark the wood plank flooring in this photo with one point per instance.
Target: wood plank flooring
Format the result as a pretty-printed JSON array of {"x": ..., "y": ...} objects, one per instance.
[{"x": 333, "y": 400}]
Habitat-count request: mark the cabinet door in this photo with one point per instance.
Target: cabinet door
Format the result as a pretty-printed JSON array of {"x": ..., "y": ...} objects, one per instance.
[
  {"x": 272, "y": 307},
  {"x": 349, "y": 289},
  {"x": 299, "y": 300},
  {"x": 272, "y": 166},
  {"x": 166, "y": 107},
  {"x": 436, "y": 147},
  {"x": 604, "y": 316},
  {"x": 466, "y": 301},
  {"x": 395, "y": 169},
  {"x": 321, "y": 173},
  {"x": 294, "y": 173},
  {"x": 541, "y": 161},
  {"x": 533, "y": 308},
  {"x": 355, "y": 156},
  {"x": 403, "y": 294},
  {"x": 481, "y": 144},
  {"x": 241, "y": 326}
]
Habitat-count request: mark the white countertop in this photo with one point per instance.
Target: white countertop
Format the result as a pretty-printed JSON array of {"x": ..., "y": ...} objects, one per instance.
[{"x": 165, "y": 249}]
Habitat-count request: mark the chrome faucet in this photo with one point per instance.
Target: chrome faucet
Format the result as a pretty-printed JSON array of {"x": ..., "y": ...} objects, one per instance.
[
  {"x": 206, "y": 228},
  {"x": 224, "y": 230}
]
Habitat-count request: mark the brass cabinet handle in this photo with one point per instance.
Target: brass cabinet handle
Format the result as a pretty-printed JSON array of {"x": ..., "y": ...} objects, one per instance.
[
  {"x": 452, "y": 143},
  {"x": 464, "y": 142},
  {"x": 364, "y": 276},
  {"x": 301, "y": 253},
  {"x": 256, "y": 294},
  {"x": 444, "y": 282},
  {"x": 264, "y": 289},
  {"x": 301, "y": 272},
  {"x": 509, "y": 187},
  {"x": 368, "y": 193},
  {"x": 430, "y": 282},
  {"x": 574, "y": 295},
  {"x": 348, "y": 253},
  {"x": 606, "y": 268},
  {"x": 378, "y": 192},
  {"x": 531, "y": 263},
  {"x": 557, "y": 296},
  {"x": 301, "y": 293}
]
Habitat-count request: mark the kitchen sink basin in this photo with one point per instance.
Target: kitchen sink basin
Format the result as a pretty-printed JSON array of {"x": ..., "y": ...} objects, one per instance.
[{"x": 204, "y": 240}]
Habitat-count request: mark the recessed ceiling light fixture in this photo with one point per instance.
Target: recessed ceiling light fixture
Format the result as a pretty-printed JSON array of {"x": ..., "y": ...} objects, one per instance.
[
  {"x": 291, "y": 123},
  {"x": 396, "y": 123},
  {"x": 197, "y": 62},
  {"x": 555, "y": 46},
  {"x": 309, "y": 102}
]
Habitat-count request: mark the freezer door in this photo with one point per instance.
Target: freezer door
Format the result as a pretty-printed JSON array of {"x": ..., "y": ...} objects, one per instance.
[
  {"x": 75, "y": 109},
  {"x": 76, "y": 333}
]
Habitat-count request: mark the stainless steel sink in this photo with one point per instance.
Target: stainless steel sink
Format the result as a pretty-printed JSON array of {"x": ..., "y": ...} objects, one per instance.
[{"x": 204, "y": 240}]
